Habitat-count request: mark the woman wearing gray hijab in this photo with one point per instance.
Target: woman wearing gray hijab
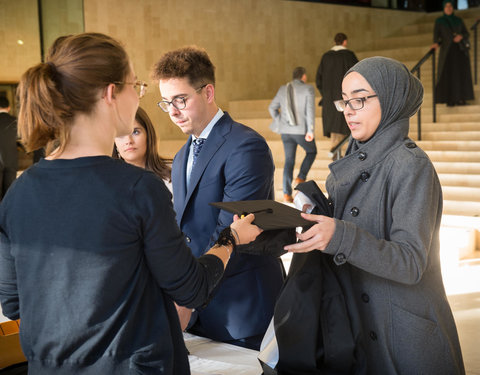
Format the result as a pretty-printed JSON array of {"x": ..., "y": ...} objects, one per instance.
[{"x": 385, "y": 230}]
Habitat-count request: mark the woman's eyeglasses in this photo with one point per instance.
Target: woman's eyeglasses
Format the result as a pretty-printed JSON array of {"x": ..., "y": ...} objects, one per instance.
[
  {"x": 354, "y": 103},
  {"x": 139, "y": 86}
]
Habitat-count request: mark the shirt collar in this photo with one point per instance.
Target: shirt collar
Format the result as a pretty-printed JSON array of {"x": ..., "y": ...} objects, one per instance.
[
  {"x": 338, "y": 48},
  {"x": 206, "y": 132}
]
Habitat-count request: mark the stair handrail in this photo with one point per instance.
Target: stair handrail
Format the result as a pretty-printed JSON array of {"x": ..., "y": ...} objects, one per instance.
[
  {"x": 416, "y": 68},
  {"x": 336, "y": 151},
  {"x": 474, "y": 28}
]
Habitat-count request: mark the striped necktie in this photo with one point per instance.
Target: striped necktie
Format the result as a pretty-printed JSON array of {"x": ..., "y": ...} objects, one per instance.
[{"x": 197, "y": 147}]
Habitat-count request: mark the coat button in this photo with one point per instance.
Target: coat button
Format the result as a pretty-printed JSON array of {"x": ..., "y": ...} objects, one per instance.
[
  {"x": 340, "y": 258},
  {"x": 373, "y": 336},
  {"x": 362, "y": 156},
  {"x": 354, "y": 211},
  {"x": 365, "y": 176},
  {"x": 410, "y": 145},
  {"x": 188, "y": 239},
  {"x": 365, "y": 297}
]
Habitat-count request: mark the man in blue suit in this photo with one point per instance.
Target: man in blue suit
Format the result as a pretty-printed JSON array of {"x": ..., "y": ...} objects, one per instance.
[{"x": 221, "y": 161}]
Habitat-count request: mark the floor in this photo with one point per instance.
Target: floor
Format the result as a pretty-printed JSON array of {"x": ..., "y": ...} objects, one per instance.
[
  {"x": 463, "y": 289},
  {"x": 462, "y": 283}
]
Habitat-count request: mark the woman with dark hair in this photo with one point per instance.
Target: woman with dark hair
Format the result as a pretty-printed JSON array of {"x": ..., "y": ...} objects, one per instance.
[
  {"x": 140, "y": 147},
  {"x": 91, "y": 257},
  {"x": 384, "y": 234},
  {"x": 454, "y": 76}
]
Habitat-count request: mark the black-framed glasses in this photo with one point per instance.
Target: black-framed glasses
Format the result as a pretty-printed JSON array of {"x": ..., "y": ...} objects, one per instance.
[
  {"x": 179, "y": 102},
  {"x": 354, "y": 103},
  {"x": 139, "y": 86}
]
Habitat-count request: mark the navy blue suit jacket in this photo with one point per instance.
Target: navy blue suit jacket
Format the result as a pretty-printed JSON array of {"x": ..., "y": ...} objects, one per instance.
[{"x": 235, "y": 164}]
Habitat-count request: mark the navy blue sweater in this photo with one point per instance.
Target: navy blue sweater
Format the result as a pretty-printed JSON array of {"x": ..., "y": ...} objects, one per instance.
[{"x": 91, "y": 260}]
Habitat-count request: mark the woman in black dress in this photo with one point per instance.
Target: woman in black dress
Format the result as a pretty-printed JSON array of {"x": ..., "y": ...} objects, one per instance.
[{"x": 454, "y": 84}]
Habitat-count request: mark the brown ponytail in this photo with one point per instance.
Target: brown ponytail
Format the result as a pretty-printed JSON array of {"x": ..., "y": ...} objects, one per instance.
[
  {"x": 42, "y": 109},
  {"x": 50, "y": 94}
]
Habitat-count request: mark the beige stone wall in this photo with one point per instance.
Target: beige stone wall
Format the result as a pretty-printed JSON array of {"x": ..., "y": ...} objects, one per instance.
[{"x": 254, "y": 44}]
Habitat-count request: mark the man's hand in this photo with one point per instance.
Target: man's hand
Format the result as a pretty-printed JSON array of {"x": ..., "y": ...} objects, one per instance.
[{"x": 309, "y": 137}]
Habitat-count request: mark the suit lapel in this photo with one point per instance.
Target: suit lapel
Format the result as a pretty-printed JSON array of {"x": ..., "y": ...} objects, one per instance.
[
  {"x": 215, "y": 140},
  {"x": 179, "y": 181}
]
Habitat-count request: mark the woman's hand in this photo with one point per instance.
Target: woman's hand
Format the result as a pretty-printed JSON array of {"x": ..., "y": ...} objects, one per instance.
[
  {"x": 317, "y": 237},
  {"x": 457, "y": 38},
  {"x": 435, "y": 46},
  {"x": 246, "y": 231},
  {"x": 184, "y": 314}
]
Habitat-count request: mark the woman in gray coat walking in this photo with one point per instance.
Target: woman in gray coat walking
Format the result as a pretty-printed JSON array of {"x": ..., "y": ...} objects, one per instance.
[{"x": 385, "y": 231}]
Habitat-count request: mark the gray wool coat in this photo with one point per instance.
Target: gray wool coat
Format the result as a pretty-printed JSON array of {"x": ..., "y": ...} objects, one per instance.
[
  {"x": 304, "y": 108},
  {"x": 388, "y": 207}
]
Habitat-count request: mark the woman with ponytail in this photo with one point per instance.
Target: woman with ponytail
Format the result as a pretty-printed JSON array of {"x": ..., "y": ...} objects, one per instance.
[{"x": 91, "y": 258}]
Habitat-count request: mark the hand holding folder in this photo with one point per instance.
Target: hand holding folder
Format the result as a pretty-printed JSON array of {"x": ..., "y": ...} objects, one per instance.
[{"x": 277, "y": 220}]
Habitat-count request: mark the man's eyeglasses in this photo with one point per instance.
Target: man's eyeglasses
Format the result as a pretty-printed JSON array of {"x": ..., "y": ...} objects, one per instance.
[
  {"x": 354, "y": 103},
  {"x": 139, "y": 86},
  {"x": 180, "y": 102}
]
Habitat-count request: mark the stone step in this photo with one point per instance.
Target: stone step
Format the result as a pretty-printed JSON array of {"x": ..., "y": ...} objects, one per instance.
[
  {"x": 442, "y": 109},
  {"x": 469, "y": 148},
  {"x": 449, "y": 170},
  {"x": 454, "y": 156},
  {"x": 463, "y": 208},
  {"x": 445, "y": 130},
  {"x": 463, "y": 146},
  {"x": 461, "y": 180},
  {"x": 446, "y": 167},
  {"x": 262, "y": 126},
  {"x": 432, "y": 127},
  {"x": 414, "y": 40},
  {"x": 447, "y": 135},
  {"x": 461, "y": 193},
  {"x": 258, "y": 109},
  {"x": 400, "y": 54}
]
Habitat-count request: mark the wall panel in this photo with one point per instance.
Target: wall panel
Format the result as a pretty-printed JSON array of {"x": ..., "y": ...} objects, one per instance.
[{"x": 19, "y": 21}]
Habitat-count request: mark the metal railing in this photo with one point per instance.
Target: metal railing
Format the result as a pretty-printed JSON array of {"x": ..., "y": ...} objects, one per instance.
[
  {"x": 474, "y": 28},
  {"x": 336, "y": 152},
  {"x": 416, "y": 68}
]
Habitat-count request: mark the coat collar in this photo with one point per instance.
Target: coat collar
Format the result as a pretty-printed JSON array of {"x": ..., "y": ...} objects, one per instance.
[{"x": 345, "y": 172}]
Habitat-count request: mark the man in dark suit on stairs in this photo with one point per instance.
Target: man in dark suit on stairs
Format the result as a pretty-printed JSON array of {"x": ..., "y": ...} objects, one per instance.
[{"x": 333, "y": 66}]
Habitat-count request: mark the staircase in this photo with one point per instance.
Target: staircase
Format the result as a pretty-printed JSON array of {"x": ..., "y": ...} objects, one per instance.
[{"x": 452, "y": 143}]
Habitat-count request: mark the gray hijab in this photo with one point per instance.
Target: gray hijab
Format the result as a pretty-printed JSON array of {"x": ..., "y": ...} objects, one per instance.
[{"x": 400, "y": 93}]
